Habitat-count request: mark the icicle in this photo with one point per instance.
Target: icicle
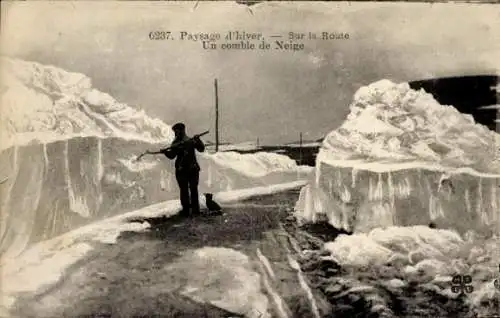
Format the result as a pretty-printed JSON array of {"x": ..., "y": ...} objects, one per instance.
[
  {"x": 370, "y": 189},
  {"x": 468, "y": 205},
  {"x": 338, "y": 178},
  {"x": 100, "y": 167},
  {"x": 428, "y": 187},
  {"x": 45, "y": 156},
  {"x": 494, "y": 205},
  {"x": 345, "y": 195},
  {"x": 406, "y": 188},
  {"x": 15, "y": 164},
  {"x": 66, "y": 166},
  {"x": 431, "y": 209},
  {"x": 308, "y": 206},
  {"x": 354, "y": 173},
  {"x": 379, "y": 191},
  {"x": 100, "y": 172},
  {"x": 392, "y": 192},
  {"x": 479, "y": 203},
  {"x": 317, "y": 173},
  {"x": 318, "y": 202},
  {"x": 435, "y": 209},
  {"x": 77, "y": 204},
  {"x": 345, "y": 221}
]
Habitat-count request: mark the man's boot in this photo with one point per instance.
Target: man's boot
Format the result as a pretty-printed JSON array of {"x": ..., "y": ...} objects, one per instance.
[
  {"x": 195, "y": 212},
  {"x": 184, "y": 212}
]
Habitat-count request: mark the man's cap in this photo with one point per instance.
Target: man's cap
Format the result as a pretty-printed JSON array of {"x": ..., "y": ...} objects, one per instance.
[{"x": 178, "y": 126}]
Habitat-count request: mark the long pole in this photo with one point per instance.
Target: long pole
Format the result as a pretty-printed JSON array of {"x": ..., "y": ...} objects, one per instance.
[{"x": 216, "y": 117}]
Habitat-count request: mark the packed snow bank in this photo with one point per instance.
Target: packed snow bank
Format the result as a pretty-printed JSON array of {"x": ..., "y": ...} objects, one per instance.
[
  {"x": 428, "y": 258},
  {"x": 59, "y": 186},
  {"x": 399, "y": 162},
  {"x": 361, "y": 200},
  {"x": 69, "y": 157},
  {"x": 45, "y": 103},
  {"x": 393, "y": 122},
  {"x": 400, "y": 158},
  {"x": 258, "y": 164},
  {"x": 52, "y": 257}
]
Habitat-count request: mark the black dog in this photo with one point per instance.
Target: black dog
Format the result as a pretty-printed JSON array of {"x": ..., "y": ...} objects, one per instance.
[{"x": 212, "y": 206}]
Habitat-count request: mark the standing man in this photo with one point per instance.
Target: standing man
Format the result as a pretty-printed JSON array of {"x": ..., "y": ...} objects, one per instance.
[{"x": 187, "y": 169}]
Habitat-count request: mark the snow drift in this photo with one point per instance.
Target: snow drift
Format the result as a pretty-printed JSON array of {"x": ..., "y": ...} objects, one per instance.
[
  {"x": 401, "y": 158},
  {"x": 393, "y": 122},
  {"x": 67, "y": 157},
  {"x": 43, "y": 103},
  {"x": 399, "y": 162},
  {"x": 408, "y": 272}
]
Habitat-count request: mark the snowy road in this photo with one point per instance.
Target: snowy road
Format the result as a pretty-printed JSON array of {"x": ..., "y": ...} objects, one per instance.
[{"x": 239, "y": 264}]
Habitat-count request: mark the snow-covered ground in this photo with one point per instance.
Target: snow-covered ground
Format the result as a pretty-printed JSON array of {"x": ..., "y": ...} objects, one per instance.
[
  {"x": 399, "y": 162},
  {"x": 68, "y": 157}
]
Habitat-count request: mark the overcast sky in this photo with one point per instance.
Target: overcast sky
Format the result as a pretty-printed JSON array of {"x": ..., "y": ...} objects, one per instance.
[{"x": 267, "y": 94}]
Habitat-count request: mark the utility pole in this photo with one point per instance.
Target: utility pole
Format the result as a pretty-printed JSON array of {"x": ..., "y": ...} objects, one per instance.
[
  {"x": 216, "y": 117},
  {"x": 257, "y": 142}
]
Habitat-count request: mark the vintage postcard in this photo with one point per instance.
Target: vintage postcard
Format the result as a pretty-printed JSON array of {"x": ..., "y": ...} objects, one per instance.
[{"x": 249, "y": 159}]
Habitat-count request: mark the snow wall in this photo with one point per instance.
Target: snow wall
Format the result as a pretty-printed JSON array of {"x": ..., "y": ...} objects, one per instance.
[
  {"x": 402, "y": 159},
  {"x": 68, "y": 157}
]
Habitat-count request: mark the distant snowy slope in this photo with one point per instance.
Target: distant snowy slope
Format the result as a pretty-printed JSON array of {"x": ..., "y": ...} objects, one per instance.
[
  {"x": 391, "y": 121},
  {"x": 258, "y": 164},
  {"x": 45, "y": 102},
  {"x": 243, "y": 146}
]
